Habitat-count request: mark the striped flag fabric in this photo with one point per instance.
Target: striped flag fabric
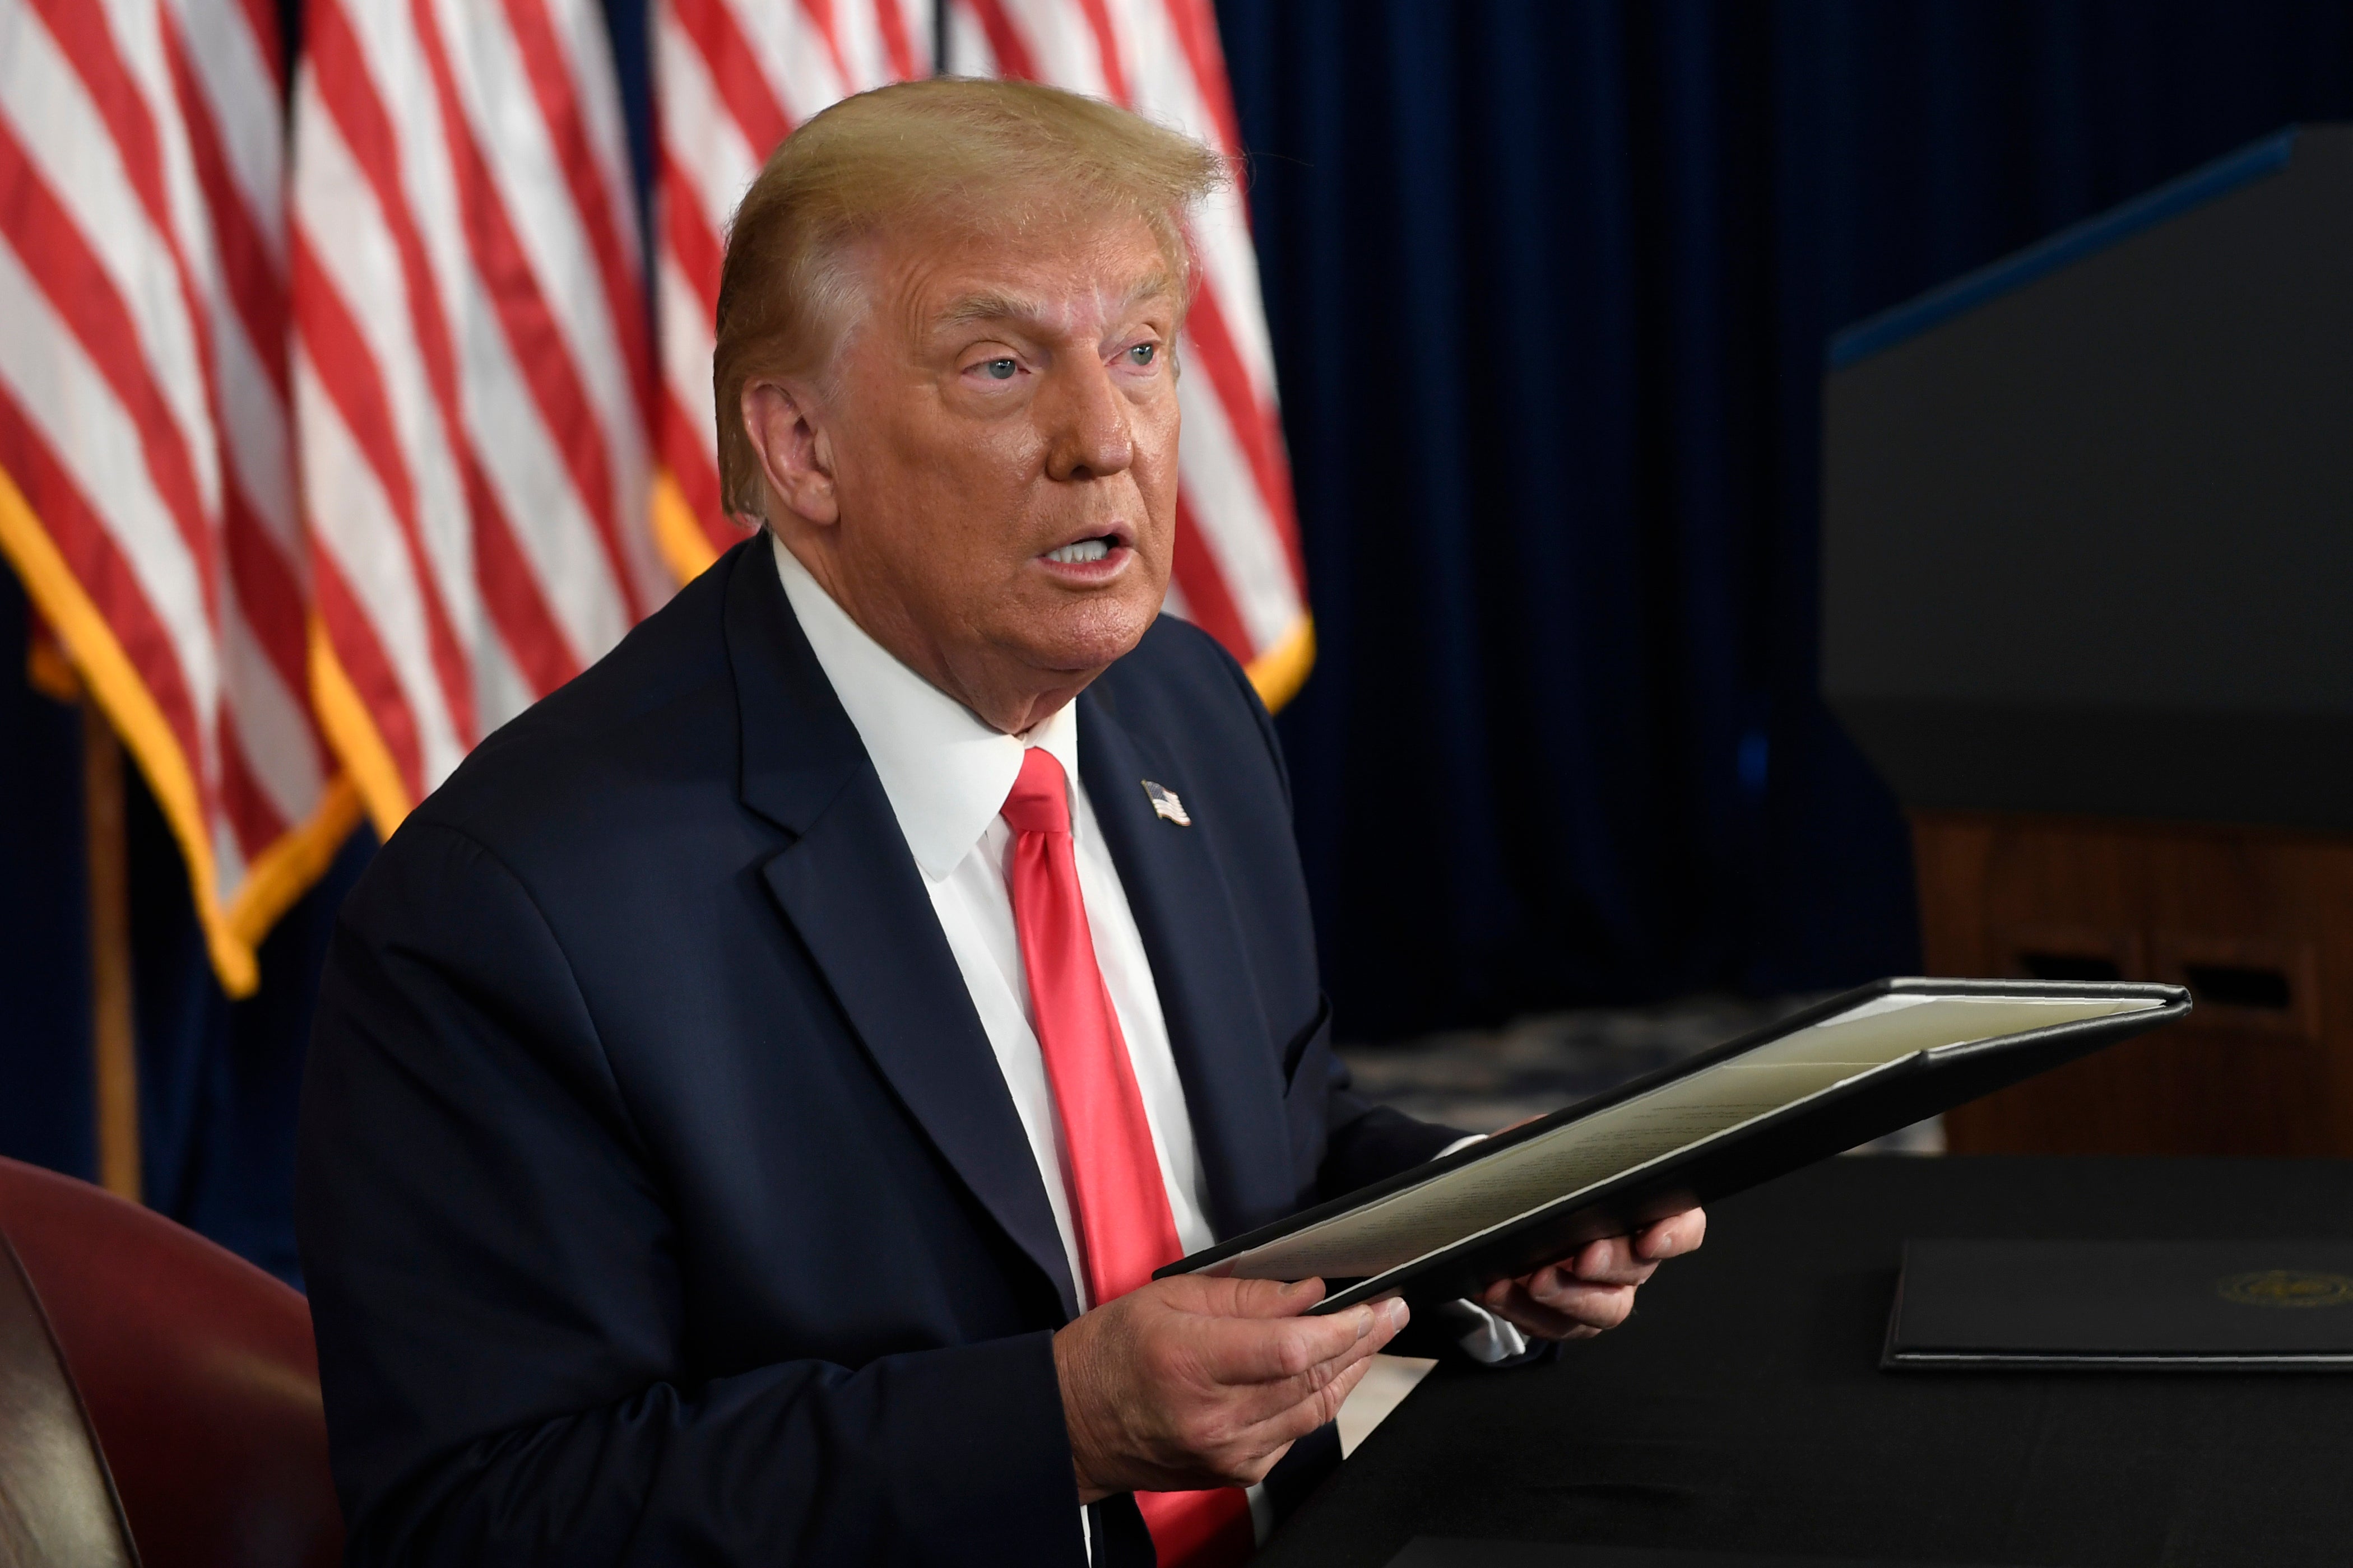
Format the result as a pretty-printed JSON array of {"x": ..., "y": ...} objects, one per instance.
[
  {"x": 731, "y": 78},
  {"x": 1238, "y": 571},
  {"x": 472, "y": 371},
  {"x": 146, "y": 492},
  {"x": 437, "y": 318}
]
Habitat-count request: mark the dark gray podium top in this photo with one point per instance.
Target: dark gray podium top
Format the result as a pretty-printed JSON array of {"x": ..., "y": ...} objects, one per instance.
[
  {"x": 2088, "y": 515},
  {"x": 1743, "y": 1410}
]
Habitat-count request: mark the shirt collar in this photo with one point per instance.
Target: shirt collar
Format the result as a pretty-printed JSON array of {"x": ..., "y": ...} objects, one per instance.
[{"x": 947, "y": 773}]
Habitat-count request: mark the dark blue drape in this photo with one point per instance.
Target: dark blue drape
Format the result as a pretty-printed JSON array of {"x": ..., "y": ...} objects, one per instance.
[
  {"x": 217, "y": 1079},
  {"x": 1548, "y": 283},
  {"x": 47, "y": 1107}
]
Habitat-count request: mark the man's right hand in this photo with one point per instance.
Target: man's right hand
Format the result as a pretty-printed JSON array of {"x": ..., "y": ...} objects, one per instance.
[{"x": 1189, "y": 1383}]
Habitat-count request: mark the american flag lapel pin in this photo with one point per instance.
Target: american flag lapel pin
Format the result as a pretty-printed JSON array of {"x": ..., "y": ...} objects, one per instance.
[{"x": 1166, "y": 803}]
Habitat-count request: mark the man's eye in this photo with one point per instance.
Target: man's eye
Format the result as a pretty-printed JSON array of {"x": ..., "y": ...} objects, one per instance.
[
  {"x": 1144, "y": 353},
  {"x": 1000, "y": 369}
]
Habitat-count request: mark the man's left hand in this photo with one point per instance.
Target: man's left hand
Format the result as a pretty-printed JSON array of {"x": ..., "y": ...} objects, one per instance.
[{"x": 1593, "y": 1288}]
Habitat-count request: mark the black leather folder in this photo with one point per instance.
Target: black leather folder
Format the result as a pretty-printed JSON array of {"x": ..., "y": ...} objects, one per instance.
[
  {"x": 1437, "y": 1551},
  {"x": 1840, "y": 1073},
  {"x": 2163, "y": 1306}
]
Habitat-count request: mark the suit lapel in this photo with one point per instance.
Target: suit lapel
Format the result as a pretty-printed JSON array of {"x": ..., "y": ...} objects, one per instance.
[
  {"x": 851, "y": 889},
  {"x": 1217, "y": 1025}
]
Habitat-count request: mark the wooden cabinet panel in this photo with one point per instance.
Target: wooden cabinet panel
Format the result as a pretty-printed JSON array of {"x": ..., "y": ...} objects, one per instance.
[{"x": 2258, "y": 923}]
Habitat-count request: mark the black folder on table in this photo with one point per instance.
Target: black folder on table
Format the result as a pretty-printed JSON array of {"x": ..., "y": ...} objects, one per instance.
[
  {"x": 2164, "y": 1306},
  {"x": 1840, "y": 1073},
  {"x": 1448, "y": 1551}
]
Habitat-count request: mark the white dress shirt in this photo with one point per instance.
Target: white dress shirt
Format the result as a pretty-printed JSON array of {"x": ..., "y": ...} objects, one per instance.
[{"x": 947, "y": 774}]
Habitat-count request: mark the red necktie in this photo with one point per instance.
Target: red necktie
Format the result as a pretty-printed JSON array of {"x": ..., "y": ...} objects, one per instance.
[{"x": 1125, "y": 1227}]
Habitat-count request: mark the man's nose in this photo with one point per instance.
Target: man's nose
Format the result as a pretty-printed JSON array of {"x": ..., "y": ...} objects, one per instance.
[{"x": 1085, "y": 420}]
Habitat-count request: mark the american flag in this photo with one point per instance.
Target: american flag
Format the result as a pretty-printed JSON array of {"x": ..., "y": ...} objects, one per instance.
[
  {"x": 438, "y": 318},
  {"x": 1238, "y": 573},
  {"x": 733, "y": 78},
  {"x": 473, "y": 375},
  {"x": 146, "y": 496}
]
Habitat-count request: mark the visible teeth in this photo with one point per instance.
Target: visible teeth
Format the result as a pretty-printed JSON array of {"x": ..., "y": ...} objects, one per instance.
[{"x": 1084, "y": 550}]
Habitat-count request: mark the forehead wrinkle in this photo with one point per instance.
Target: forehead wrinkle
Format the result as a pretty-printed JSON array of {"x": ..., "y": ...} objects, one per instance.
[{"x": 994, "y": 306}]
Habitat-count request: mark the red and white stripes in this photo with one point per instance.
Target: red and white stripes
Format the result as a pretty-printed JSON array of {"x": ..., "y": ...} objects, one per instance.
[
  {"x": 440, "y": 320},
  {"x": 472, "y": 371},
  {"x": 146, "y": 493},
  {"x": 731, "y": 80},
  {"x": 1239, "y": 573}
]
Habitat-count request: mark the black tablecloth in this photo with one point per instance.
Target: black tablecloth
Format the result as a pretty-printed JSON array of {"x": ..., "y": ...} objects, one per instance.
[{"x": 1742, "y": 1408}]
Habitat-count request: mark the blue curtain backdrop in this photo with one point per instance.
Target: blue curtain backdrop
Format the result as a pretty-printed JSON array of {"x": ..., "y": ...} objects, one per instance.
[{"x": 1548, "y": 284}]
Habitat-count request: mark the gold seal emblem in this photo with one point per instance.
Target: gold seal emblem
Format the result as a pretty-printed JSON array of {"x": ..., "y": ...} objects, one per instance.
[{"x": 2287, "y": 1288}]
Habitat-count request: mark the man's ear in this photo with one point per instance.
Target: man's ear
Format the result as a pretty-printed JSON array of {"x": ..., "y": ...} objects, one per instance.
[{"x": 796, "y": 457}]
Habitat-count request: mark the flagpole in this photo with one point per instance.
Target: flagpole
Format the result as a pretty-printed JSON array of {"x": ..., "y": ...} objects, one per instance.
[{"x": 114, "y": 1046}]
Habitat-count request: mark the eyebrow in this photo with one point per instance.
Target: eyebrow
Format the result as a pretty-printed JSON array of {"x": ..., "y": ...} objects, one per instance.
[{"x": 992, "y": 307}]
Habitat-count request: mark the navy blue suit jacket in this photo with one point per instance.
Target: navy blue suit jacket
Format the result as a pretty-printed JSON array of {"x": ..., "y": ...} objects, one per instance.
[{"x": 660, "y": 1199}]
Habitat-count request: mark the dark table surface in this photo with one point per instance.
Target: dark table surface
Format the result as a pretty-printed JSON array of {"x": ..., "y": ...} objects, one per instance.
[{"x": 1742, "y": 1408}]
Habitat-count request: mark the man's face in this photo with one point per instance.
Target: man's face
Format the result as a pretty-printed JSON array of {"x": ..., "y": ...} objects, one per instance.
[{"x": 1000, "y": 438}]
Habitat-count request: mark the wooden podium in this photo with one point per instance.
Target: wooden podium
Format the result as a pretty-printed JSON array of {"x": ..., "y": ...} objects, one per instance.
[{"x": 2088, "y": 605}]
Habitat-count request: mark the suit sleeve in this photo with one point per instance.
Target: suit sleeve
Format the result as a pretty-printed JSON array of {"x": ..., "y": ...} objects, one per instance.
[
  {"x": 492, "y": 1264},
  {"x": 1363, "y": 1141}
]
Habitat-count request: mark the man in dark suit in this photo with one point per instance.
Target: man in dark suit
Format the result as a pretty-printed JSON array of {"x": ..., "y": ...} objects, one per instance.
[{"x": 749, "y": 1097}]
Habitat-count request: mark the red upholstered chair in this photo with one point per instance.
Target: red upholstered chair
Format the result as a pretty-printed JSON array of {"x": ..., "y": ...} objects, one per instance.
[
  {"x": 57, "y": 1506},
  {"x": 196, "y": 1369}
]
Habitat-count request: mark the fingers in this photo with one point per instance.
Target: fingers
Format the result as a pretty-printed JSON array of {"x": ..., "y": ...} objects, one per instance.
[
  {"x": 1673, "y": 1237},
  {"x": 1514, "y": 1306},
  {"x": 1241, "y": 1351},
  {"x": 1549, "y": 1296},
  {"x": 1320, "y": 1385},
  {"x": 1593, "y": 1288},
  {"x": 1243, "y": 1298},
  {"x": 1250, "y": 1408},
  {"x": 1231, "y": 1428},
  {"x": 1281, "y": 1428},
  {"x": 1610, "y": 1261},
  {"x": 1553, "y": 1306},
  {"x": 1630, "y": 1260},
  {"x": 1592, "y": 1304},
  {"x": 1244, "y": 1458}
]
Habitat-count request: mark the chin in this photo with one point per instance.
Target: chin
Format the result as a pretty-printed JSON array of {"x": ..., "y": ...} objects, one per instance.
[{"x": 1090, "y": 637}]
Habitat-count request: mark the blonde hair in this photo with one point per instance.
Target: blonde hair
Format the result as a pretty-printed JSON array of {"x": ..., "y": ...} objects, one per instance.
[{"x": 956, "y": 153}]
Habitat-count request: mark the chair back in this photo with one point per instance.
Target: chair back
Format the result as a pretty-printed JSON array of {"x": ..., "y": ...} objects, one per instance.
[
  {"x": 198, "y": 1372},
  {"x": 57, "y": 1506}
]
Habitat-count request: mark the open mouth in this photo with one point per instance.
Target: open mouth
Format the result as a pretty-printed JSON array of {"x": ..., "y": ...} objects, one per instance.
[{"x": 1078, "y": 552}]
